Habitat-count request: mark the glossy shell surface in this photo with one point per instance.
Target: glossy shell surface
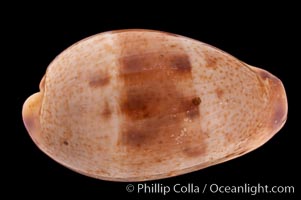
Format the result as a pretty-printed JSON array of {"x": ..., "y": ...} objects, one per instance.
[{"x": 134, "y": 105}]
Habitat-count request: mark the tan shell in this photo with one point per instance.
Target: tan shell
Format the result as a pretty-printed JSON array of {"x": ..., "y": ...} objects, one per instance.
[{"x": 136, "y": 105}]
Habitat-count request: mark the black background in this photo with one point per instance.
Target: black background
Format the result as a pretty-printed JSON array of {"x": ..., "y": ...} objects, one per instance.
[{"x": 263, "y": 37}]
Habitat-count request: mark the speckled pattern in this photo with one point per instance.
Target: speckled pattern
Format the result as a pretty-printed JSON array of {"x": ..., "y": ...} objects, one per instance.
[{"x": 134, "y": 105}]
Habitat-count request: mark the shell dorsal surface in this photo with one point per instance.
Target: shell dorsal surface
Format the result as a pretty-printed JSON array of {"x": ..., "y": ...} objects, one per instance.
[{"x": 134, "y": 105}]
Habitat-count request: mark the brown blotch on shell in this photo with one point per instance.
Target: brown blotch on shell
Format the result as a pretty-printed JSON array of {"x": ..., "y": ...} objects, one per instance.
[
  {"x": 219, "y": 92},
  {"x": 194, "y": 151},
  {"x": 196, "y": 101},
  {"x": 153, "y": 106},
  {"x": 99, "y": 81},
  {"x": 180, "y": 63},
  {"x": 145, "y": 102},
  {"x": 106, "y": 112}
]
